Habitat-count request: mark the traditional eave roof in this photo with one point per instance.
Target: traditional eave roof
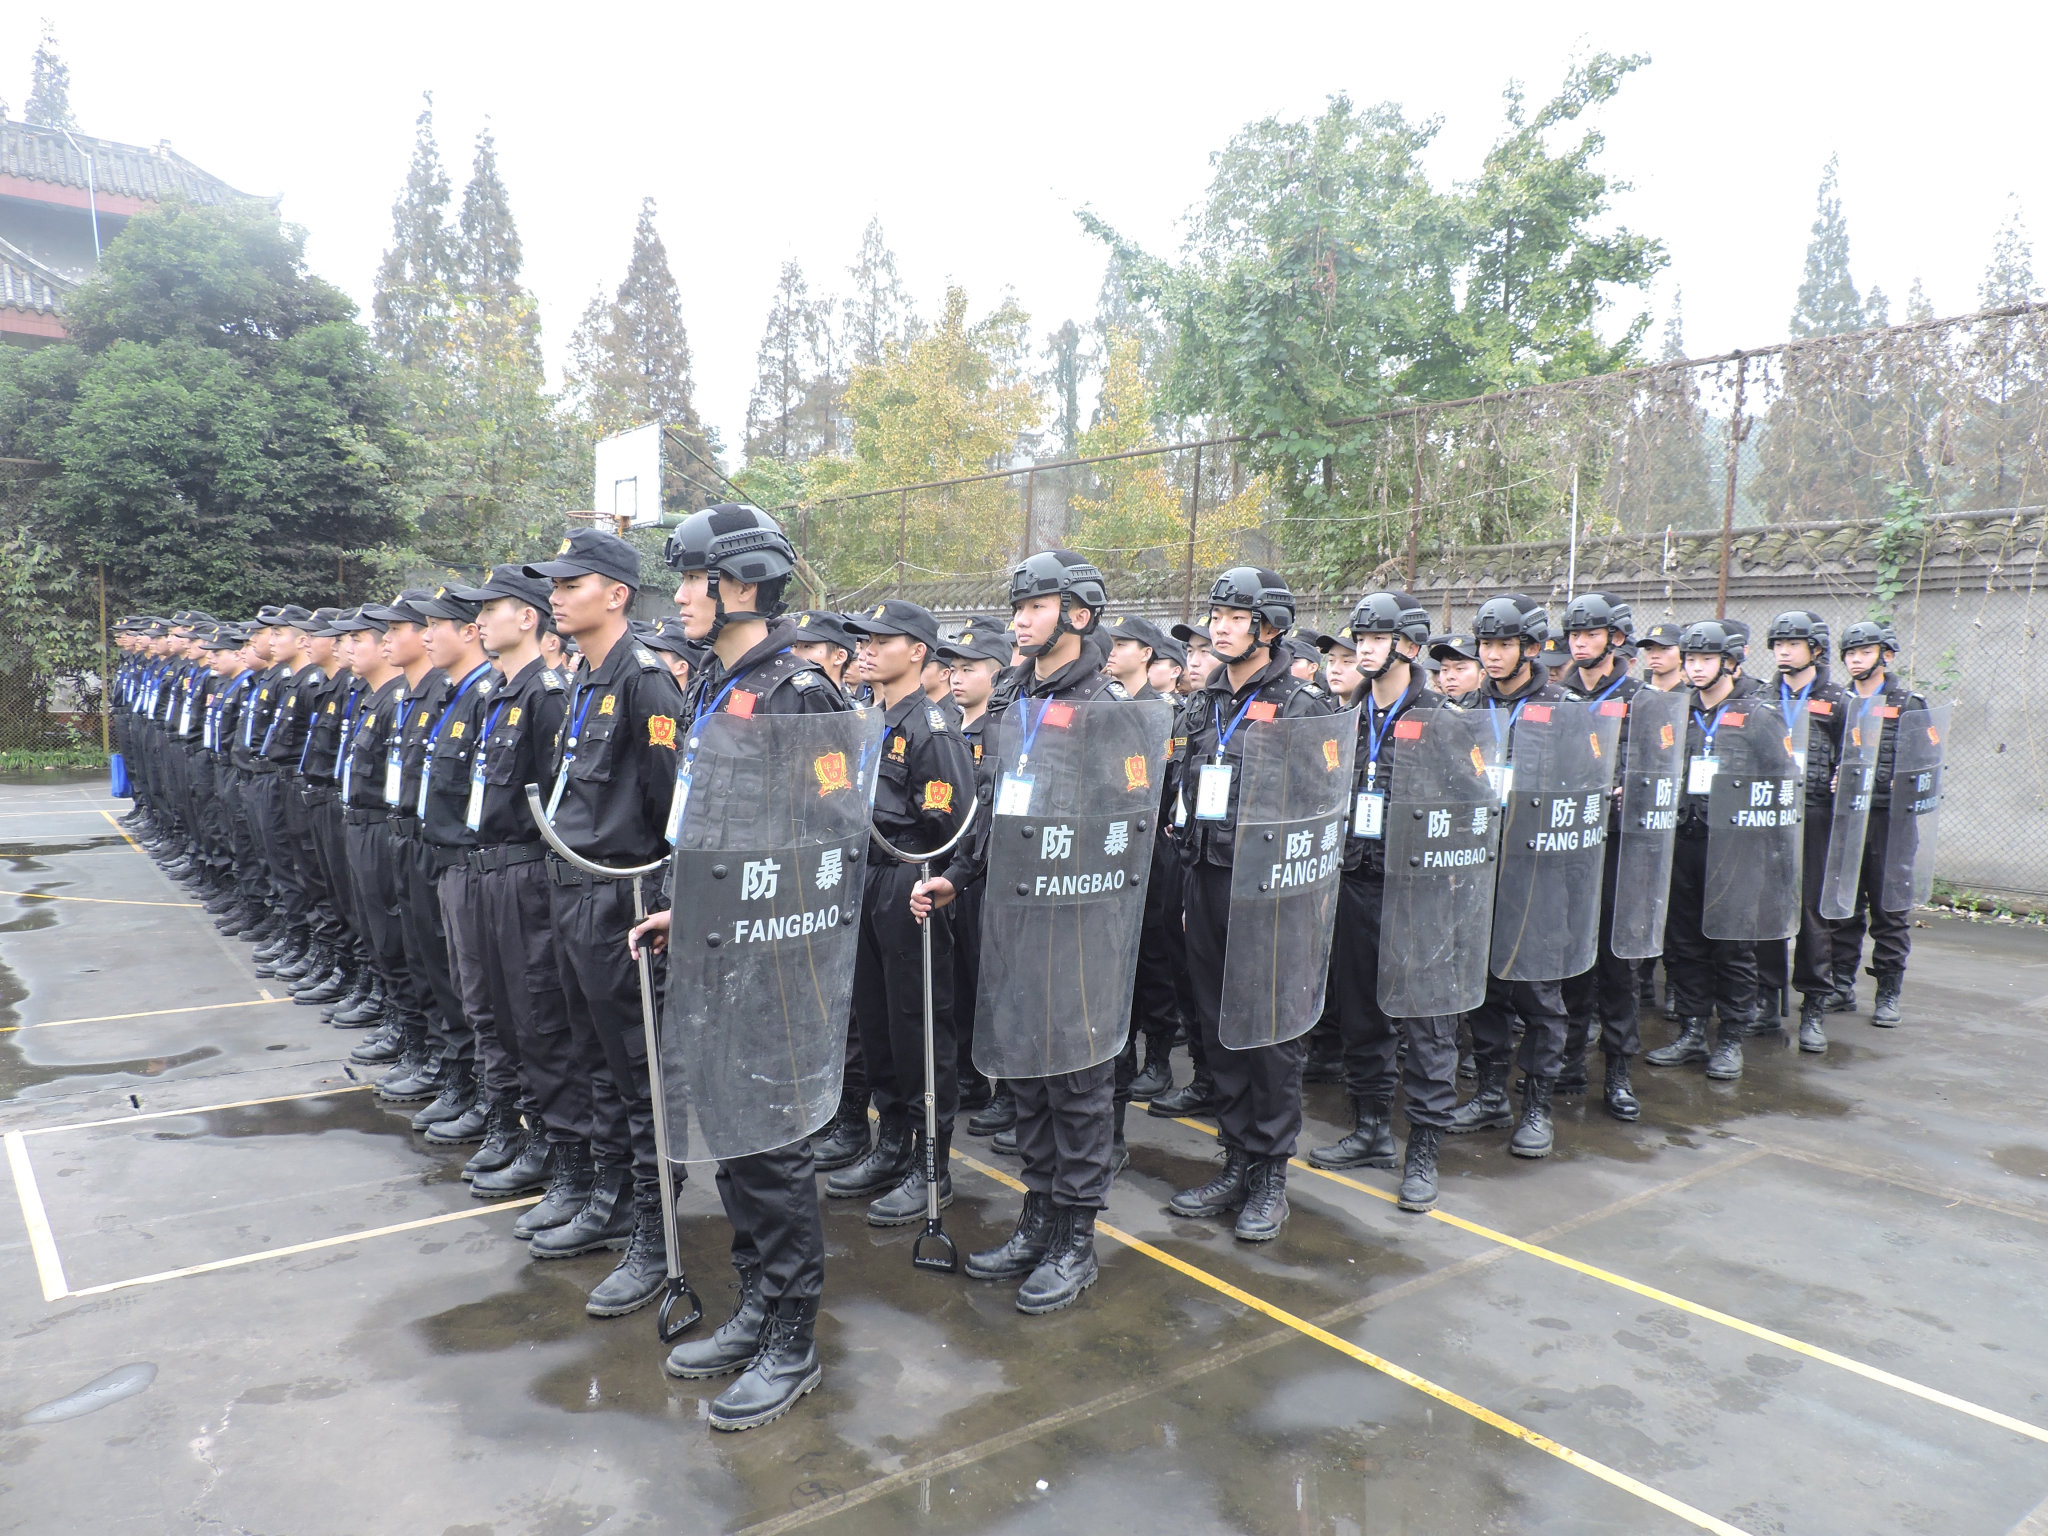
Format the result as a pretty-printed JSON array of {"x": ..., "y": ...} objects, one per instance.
[
  {"x": 27, "y": 284},
  {"x": 32, "y": 153}
]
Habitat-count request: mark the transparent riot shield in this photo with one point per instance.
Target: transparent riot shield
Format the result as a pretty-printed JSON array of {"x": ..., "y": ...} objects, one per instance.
[
  {"x": 766, "y": 902},
  {"x": 1553, "y": 842},
  {"x": 1855, "y": 786},
  {"x": 1293, "y": 787},
  {"x": 1755, "y": 806},
  {"x": 1069, "y": 851},
  {"x": 1443, "y": 831},
  {"x": 1648, "y": 828},
  {"x": 1916, "y": 807}
]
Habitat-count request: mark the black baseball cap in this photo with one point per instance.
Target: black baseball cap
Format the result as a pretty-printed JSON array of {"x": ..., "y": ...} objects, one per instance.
[
  {"x": 447, "y": 603},
  {"x": 292, "y": 616},
  {"x": 1187, "y": 634},
  {"x": 897, "y": 616},
  {"x": 1301, "y": 645},
  {"x": 229, "y": 637},
  {"x": 357, "y": 620},
  {"x": 1131, "y": 626},
  {"x": 1444, "y": 647},
  {"x": 669, "y": 636},
  {"x": 402, "y": 609},
  {"x": 1661, "y": 634},
  {"x": 587, "y": 551},
  {"x": 511, "y": 581},
  {"x": 821, "y": 626},
  {"x": 978, "y": 640}
]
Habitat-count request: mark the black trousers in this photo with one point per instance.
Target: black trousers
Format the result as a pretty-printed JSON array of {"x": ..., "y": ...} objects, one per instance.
[
  {"x": 1156, "y": 986},
  {"x": 426, "y": 948},
  {"x": 771, "y": 1199},
  {"x": 267, "y": 794},
  {"x": 601, "y": 987},
  {"x": 1703, "y": 975},
  {"x": 966, "y": 911},
  {"x": 888, "y": 999},
  {"x": 1258, "y": 1091},
  {"x": 1370, "y": 1039},
  {"x": 373, "y": 868},
  {"x": 1540, "y": 1007},
  {"x": 524, "y": 974},
  {"x": 1891, "y": 933},
  {"x": 323, "y": 820},
  {"x": 252, "y": 874},
  {"x": 306, "y": 870},
  {"x": 1608, "y": 991},
  {"x": 1066, "y": 1133},
  {"x": 470, "y": 965},
  {"x": 1809, "y": 967}
]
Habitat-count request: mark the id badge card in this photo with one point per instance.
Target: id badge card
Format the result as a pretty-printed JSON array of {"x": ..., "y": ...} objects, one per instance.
[
  {"x": 1699, "y": 774},
  {"x": 1013, "y": 795},
  {"x": 473, "y": 815},
  {"x": 1799, "y": 761},
  {"x": 1369, "y": 814},
  {"x": 348, "y": 776},
  {"x": 1180, "y": 807},
  {"x": 1212, "y": 791},
  {"x": 394, "y": 772},
  {"x": 1502, "y": 777},
  {"x": 185, "y": 718},
  {"x": 676, "y": 803},
  {"x": 426, "y": 783}
]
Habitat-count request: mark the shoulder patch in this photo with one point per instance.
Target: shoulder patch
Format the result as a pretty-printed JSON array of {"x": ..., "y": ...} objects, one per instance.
[
  {"x": 551, "y": 680},
  {"x": 649, "y": 662},
  {"x": 1115, "y": 689},
  {"x": 935, "y": 719},
  {"x": 804, "y": 682}
]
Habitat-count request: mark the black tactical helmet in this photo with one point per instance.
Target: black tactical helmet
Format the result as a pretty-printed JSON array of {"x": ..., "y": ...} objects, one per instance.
[
  {"x": 1599, "y": 610},
  {"x": 1798, "y": 624},
  {"x": 1715, "y": 637},
  {"x": 1389, "y": 613},
  {"x": 744, "y": 543},
  {"x": 1512, "y": 616},
  {"x": 1869, "y": 632},
  {"x": 1260, "y": 591},
  {"x": 1061, "y": 573}
]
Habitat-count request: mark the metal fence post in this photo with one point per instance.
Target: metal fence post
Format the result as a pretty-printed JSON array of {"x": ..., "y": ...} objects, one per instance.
[
  {"x": 902, "y": 538},
  {"x": 1187, "y": 606},
  {"x": 1735, "y": 436}
]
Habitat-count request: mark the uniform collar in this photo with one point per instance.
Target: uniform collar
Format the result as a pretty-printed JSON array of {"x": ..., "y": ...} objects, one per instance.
[
  {"x": 1539, "y": 679},
  {"x": 1087, "y": 664},
  {"x": 1276, "y": 667}
]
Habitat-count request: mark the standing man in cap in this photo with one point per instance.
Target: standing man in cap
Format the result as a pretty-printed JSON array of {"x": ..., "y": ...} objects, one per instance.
[
  {"x": 924, "y": 779},
  {"x": 823, "y": 638},
  {"x": 371, "y": 855},
  {"x": 614, "y": 788},
  {"x": 319, "y": 773},
  {"x": 1663, "y": 662},
  {"x": 1201, "y": 656}
]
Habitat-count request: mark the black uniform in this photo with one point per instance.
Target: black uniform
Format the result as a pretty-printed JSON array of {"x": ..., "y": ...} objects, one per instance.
[
  {"x": 1258, "y": 1091},
  {"x": 1891, "y": 933},
  {"x": 1811, "y": 968},
  {"x": 419, "y": 904},
  {"x": 1155, "y": 986},
  {"x": 967, "y": 906},
  {"x": 1706, "y": 975},
  {"x": 373, "y": 852},
  {"x": 1605, "y": 997},
  {"x": 449, "y": 747}
]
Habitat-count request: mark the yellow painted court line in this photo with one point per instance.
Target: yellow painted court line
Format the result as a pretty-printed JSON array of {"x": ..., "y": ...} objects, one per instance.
[
  {"x": 1465, "y": 1405},
  {"x": 101, "y": 901},
  {"x": 293, "y": 1248},
  {"x": 1692, "y": 1308},
  {"x": 115, "y": 823},
  {"x": 41, "y": 1241},
  {"x": 81, "y": 810},
  {"x": 149, "y": 1013},
  {"x": 196, "y": 1109}
]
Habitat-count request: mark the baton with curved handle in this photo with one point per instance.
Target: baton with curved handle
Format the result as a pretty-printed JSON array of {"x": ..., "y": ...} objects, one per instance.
[
  {"x": 934, "y": 1229},
  {"x": 678, "y": 1289}
]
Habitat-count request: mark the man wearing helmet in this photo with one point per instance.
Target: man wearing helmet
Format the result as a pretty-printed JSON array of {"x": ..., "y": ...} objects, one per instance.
[
  {"x": 1877, "y": 698},
  {"x": 1385, "y": 634},
  {"x": 735, "y": 563},
  {"x": 1799, "y": 645},
  {"x": 1596, "y": 626},
  {"x": 1510, "y": 630},
  {"x": 1258, "y": 1091},
  {"x": 1067, "y": 1125},
  {"x": 1706, "y": 976}
]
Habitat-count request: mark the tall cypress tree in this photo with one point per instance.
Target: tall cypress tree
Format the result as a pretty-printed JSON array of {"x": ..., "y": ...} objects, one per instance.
[
  {"x": 878, "y": 310},
  {"x": 783, "y": 411},
  {"x": 499, "y": 315},
  {"x": 1828, "y": 303},
  {"x": 414, "y": 281},
  {"x": 49, "y": 92}
]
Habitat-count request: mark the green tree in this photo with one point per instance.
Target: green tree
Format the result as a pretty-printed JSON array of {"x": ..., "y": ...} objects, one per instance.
[
  {"x": 789, "y": 413},
  {"x": 222, "y": 433},
  {"x": 878, "y": 311},
  {"x": 1828, "y": 303},
  {"x": 1063, "y": 379},
  {"x": 49, "y": 91},
  {"x": 416, "y": 279}
]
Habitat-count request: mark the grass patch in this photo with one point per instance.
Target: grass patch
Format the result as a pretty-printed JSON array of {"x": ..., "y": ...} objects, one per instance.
[{"x": 24, "y": 760}]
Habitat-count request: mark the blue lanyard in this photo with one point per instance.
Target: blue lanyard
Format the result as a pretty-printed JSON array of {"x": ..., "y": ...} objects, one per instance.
[
  {"x": 576, "y": 730},
  {"x": 1031, "y": 726},
  {"x": 690, "y": 752},
  {"x": 447, "y": 709},
  {"x": 1223, "y": 734},
  {"x": 1707, "y": 727},
  {"x": 1789, "y": 703},
  {"x": 1500, "y": 732},
  {"x": 1594, "y": 703},
  {"x": 1375, "y": 733}
]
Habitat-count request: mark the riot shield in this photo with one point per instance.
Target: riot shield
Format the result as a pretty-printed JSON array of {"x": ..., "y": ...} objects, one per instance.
[
  {"x": 1755, "y": 806},
  {"x": 1553, "y": 841},
  {"x": 1649, "y": 821},
  {"x": 1855, "y": 783},
  {"x": 767, "y": 881},
  {"x": 1916, "y": 807},
  {"x": 1443, "y": 828},
  {"x": 1292, "y": 793},
  {"x": 1069, "y": 851}
]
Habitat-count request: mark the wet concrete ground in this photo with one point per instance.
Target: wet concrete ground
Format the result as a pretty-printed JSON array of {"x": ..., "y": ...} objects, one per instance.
[{"x": 1804, "y": 1302}]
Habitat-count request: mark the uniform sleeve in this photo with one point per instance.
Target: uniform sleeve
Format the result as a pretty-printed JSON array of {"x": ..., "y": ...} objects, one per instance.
[
  {"x": 657, "y": 722},
  {"x": 941, "y": 780}
]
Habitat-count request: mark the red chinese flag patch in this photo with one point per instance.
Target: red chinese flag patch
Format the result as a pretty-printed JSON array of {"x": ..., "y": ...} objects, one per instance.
[
  {"x": 1614, "y": 707},
  {"x": 1407, "y": 730},
  {"x": 1263, "y": 711},
  {"x": 1540, "y": 713},
  {"x": 742, "y": 704},
  {"x": 1059, "y": 716},
  {"x": 1738, "y": 721}
]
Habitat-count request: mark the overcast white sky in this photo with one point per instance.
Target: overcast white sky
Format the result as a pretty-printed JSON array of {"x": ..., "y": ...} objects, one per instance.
[{"x": 771, "y": 132}]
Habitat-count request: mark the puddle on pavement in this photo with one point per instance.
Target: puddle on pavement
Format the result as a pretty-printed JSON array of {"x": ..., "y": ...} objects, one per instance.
[{"x": 122, "y": 1382}]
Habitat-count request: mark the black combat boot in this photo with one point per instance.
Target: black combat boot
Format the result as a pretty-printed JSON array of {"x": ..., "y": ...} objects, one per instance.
[
  {"x": 1690, "y": 1046},
  {"x": 415, "y": 1077},
  {"x": 1370, "y": 1144},
  {"x": 642, "y": 1272},
  {"x": 904, "y": 1204},
  {"x": 884, "y": 1165},
  {"x": 998, "y": 1114},
  {"x": 785, "y": 1368},
  {"x": 733, "y": 1344},
  {"x": 361, "y": 980},
  {"x": 1619, "y": 1093},
  {"x": 1264, "y": 1211},
  {"x": 1025, "y": 1248},
  {"x": 846, "y": 1141},
  {"x": 1571, "y": 1076},
  {"x": 1418, "y": 1169},
  {"x": 465, "y": 1128},
  {"x": 1884, "y": 1013},
  {"x": 382, "y": 1047},
  {"x": 1724, "y": 1065},
  {"x": 571, "y": 1172},
  {"x": 1222, "y": 1195},
  {"x": 1156, "y": 1077},
  {"x": 525, "y": 1174},
  {"x": 1812, "y": 1038},
  {"x": 1535, "y": 1136},
  {"x": 606, "y": 1220},
  {"x": 1843, "y": 998},
  {"x": 458, "y": 1092},
  {"x": 329, "y": 988},
  {"x": 1487, "y": 1109},
  {"x": 1324, "y": 1062},
  {"x": 1119, "y": 1149},
  {"x": 291, "y": 949},
  {"x": 314, "y": 955},
  {"x": 1197, "y": 1098},
  {"x": 1004, "y": 1143},
  {"x": 1068, "y": 1267},
  {"x": 504, "y": 1138}
]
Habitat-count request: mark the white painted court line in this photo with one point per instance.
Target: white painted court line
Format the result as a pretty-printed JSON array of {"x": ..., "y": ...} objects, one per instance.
[{"x": 41, "y": 1241}]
